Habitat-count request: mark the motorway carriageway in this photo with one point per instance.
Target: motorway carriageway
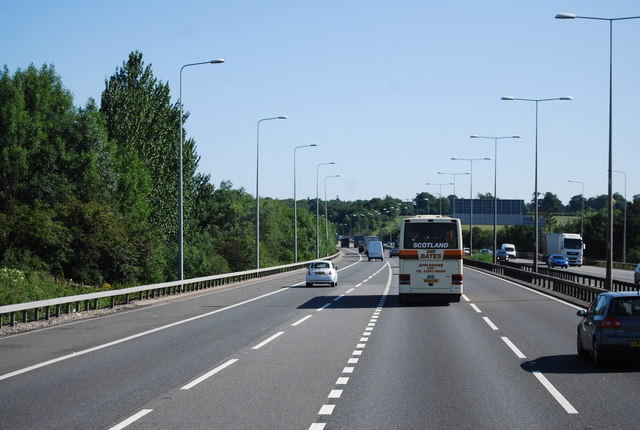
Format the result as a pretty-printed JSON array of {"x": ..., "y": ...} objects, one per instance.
[{"x": 272, "y": 353}]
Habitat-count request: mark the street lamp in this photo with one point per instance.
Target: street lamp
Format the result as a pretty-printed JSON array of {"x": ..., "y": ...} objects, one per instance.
[
  {"x": 471, "y": 160},
  {"x": 495, "y": 186},
  {"x": 624, "y": 233},
  {"x": 535, "y": 192},
  {"x": 582, "y": 201},
  {"x": 440, "y": 193},
  {"x": 180, "y": 186},
  {"x": 295, "y": 203},
  {"x": 326, "y": 222},
  {"x": 453, "y": 212},
  {"x": 609, "y": 280},
  {"x": 317, "y": 225},
  {"x": 257, "y": 185}
]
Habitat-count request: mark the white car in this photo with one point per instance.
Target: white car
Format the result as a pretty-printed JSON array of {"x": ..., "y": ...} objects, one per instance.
[{"x": 322, "y": 272}]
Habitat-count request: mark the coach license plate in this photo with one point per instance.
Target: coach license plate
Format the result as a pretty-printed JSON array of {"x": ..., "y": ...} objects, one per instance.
[
  {"x": 635, "y": 343},
  {"x": 430, "y": 280}
]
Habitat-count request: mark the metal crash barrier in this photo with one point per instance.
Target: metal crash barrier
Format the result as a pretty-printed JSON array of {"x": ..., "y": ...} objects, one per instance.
[{"x": 46, "y": 309}]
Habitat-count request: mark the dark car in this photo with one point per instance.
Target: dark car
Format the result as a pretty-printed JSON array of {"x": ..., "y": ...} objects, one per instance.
[
  {"x": 501, "y": 255},
  {"x": 394, "y": 252},
  {"x": 611, "y": 325},
  {"x": 558, "y": 260},
  {"x": 636, "y": 275}
]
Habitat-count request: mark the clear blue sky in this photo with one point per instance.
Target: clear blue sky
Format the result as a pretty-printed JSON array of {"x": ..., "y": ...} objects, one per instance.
[{"x": 390, "y": 90}]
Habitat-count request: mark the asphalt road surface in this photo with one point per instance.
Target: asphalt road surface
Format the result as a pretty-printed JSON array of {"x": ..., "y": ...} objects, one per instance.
[{"x": 273, "y": 354}]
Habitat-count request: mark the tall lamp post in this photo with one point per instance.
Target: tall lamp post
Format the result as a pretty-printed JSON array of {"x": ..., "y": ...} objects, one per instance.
[
  {"x": 470, "y": 160},
  {"x": 609, "y": 279},
  {"x": 180, "y": 186},
  {"x": 257, "y": 186},
  {"x": 317, "y": 213},
  {"x": 535, "y": 192},
  {"x": 453, "y": 212},
  {"x": 582, "y": 209},
  {"x": 326, "y": 222},
  {"x": 495, "y": 185},
  {"x": 440, "y": 193},
  {"x": 624, "y": 229},
  {"x": 295, "y": 203}
]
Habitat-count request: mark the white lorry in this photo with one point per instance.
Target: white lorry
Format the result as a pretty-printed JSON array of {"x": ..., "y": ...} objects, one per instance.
[
  {"x": 569, "y": 244},
  {"x": 510, "y": 249}
]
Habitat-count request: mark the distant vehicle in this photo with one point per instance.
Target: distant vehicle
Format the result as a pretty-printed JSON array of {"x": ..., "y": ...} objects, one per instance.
[
  {"x": 375, "y": 250},
  {"x": 430, "y": 262},
  {"x": 467, "y": 251},
  {"x": 322, "y": 272},
  {"x": 557, "y": 260},
  {"x": 358, "y": 242},
  {"x": 636, "y": 275},
  {"x": 485, "y": 251},
  {"x": 344, "y": 242},
  {"x": 501, "y": 255},
  {"x": 569, "y": 244},
  {"x": 510, "y": 250},
  {"x": 610, "y": 325},
  {"x": 367, "y": 240},
  {"x": 394, "y": 252}
]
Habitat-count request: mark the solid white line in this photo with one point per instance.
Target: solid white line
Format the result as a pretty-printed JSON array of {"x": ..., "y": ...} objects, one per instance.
[
  {"x": 128, "y": 338},
  {"x": 301, "y": 321},
  {"x": 514, "y": 348},
  {"x": 491, "y": 324},
  {"x": 131, "y": 419},
  {"x": 571, "y": 305},
  {"x": 475, "y": 308},
  {"x": 208, "y": 374},
  {"x": 350, "y": 290},
  {"x": 263, "y": 343},
  {"x": 555, "y": 393}
]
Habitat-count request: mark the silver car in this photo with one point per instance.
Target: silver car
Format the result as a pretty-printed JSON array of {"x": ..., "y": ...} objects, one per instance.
[
  {"x": 611, "y": 325},
  {"x": 322, "y": 272}
]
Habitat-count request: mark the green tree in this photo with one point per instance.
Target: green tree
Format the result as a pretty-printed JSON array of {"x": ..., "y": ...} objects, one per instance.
[{"x": 140, "y": 117}]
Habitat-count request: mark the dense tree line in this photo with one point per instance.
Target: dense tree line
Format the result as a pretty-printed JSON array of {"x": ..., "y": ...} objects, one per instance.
[
  {"x": 91, "y": 193},
  {"x": 381, "y": 216}
]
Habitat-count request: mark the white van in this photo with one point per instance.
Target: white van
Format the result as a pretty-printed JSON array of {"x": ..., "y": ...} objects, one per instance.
[
  {"x": 510, "y": 250},
  {"x": 375, "y": 250}
]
